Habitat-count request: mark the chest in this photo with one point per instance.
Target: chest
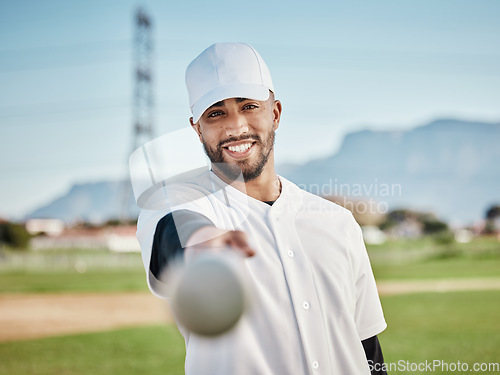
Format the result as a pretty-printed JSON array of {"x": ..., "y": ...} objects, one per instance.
[{"x": 305, "y": 256}]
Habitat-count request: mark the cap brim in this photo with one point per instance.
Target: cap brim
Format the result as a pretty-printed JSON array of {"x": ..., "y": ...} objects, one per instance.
[{"x": 240, "y": 90}]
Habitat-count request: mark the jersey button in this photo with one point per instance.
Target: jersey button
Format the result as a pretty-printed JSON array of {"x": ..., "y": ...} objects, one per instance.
[
  {"x": 291, "y": 254},
  {"x": 305, "y": 305},
  {"x": 315, "y": 365}
]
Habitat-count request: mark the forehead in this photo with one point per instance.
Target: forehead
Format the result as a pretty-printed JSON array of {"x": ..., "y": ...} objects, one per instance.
[{"x": 222, "y": 103}]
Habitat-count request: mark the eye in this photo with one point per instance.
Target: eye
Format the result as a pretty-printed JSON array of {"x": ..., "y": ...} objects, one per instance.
[
  {"x": 250, "y": 106},
  {"x": 215, "y": 113}
]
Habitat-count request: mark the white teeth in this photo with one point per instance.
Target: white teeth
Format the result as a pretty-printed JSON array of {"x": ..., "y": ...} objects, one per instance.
[{"x": 240, "y": 148}]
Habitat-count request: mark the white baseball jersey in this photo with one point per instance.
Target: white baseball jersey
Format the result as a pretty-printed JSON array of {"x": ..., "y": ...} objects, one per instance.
[{"x": 314, "y": 294}]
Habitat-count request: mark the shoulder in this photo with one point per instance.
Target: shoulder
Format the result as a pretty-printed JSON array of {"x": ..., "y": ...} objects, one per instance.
[
  {"x": 195, "y": 195},
  {"x": 312, "y": 202},
  {"x": 171, "y": 196}
]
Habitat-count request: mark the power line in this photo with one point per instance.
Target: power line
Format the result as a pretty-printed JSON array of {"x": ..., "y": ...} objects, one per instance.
[
  {"x": 90, "y": 113},
  {"x": 63, "y": 102},
  {"x": 23, "y": 169},
  {"x": 100, "y": 43},
  {"x": 60, "y": 111},
  {"x": 62, "y": 66},
  {"x": 25, "y": 59}
]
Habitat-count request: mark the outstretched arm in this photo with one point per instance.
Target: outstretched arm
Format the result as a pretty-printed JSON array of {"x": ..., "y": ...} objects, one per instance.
[
  {"x": 210, "y": 238},
  {"x": 185, "y": 233}
]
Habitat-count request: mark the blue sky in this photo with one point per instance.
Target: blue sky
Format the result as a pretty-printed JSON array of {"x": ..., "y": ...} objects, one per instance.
[{"x": 66, "y": 76}]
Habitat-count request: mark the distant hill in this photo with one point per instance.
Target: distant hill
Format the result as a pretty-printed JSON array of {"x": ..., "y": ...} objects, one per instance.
[
  {"x": 450, "y": 167},
  {"x": 95, "y": 202}
]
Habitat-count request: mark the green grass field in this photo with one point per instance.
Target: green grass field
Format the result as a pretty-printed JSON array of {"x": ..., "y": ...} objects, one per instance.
[
  {"x": 57, "y": 271},
  {"x": 430, "y": 259},
  {"x": 135, "y": 280},
  {"x": 460, "y": 267},
  {"x": 451, "y": 327},
  {"x": 145, "y": 350},
  {"x": 114, "y": 280}
]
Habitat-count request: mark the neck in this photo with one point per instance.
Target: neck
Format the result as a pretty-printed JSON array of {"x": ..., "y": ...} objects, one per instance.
[{"x": 265, "y": 188}]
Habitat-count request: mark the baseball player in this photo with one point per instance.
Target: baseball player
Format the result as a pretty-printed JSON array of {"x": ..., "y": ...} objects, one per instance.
[{"x": 316, "y": 308}]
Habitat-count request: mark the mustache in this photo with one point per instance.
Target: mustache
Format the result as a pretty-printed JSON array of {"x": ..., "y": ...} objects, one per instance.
[{"x": 244, "y": 137}]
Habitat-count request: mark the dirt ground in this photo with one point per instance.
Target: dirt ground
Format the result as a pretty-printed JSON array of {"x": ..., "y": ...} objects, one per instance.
[
  {"x": 388, "y": 288},
  {"x": 29, "y": 316}
]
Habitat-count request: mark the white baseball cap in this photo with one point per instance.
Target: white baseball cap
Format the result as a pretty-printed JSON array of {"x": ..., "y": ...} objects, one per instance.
[{"x": 223, "y": 71}]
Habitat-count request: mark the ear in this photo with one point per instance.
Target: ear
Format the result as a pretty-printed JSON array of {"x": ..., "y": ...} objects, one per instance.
[
  {"x": 196, "y": 128},
  {"x": 276, "y": 113}
]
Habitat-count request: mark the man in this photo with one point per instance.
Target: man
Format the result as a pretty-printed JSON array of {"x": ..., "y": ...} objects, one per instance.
[{"x": 315, "y": 305}]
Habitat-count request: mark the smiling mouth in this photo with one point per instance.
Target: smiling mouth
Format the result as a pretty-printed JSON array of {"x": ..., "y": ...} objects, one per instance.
[{"x": 241, "y": 149}]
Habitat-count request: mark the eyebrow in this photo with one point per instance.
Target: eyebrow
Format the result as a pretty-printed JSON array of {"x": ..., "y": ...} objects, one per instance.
[{"x": 221, "y": 103}]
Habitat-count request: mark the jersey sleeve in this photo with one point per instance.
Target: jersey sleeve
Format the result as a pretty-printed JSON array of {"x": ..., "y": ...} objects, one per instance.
[
  {"x": 369, "y": 317},
  {"x": 171, "y": 234},
  {"x": 171, "y": 199}
]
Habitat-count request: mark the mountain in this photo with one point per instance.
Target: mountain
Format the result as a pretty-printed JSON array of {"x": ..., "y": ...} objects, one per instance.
[
  {"x": 90, "y": 202},
  {"x": 449, "y": 167}
]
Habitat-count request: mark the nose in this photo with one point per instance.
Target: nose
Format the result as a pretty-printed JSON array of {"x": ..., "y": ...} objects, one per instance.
[{"x": 236, "y": 125}]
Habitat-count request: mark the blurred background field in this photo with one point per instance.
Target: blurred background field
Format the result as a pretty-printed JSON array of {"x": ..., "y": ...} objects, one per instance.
[
  {"x": 83, "y": 270},
  {"x": 447, "y": 325},
  {"x": 458, "y": 326},
  {"x": 71, "y": 270},
  {"x": 430, "y": 258},
  {"x": 390, "y": 110},
  {"x": 144, "y": 350}
]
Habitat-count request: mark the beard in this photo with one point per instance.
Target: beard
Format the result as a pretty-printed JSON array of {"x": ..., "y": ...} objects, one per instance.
[{"x": 250, "y": 170}]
